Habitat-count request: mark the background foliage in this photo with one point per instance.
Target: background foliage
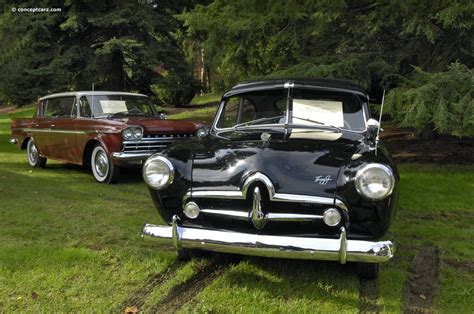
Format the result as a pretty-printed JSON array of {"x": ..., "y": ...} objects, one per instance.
[
  {"x": 116, "y": 45},
  {"x": 420, "y": 51}
]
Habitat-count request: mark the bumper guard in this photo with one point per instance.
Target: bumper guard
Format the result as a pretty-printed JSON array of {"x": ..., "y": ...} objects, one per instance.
[{"x": 342, "y": 249}]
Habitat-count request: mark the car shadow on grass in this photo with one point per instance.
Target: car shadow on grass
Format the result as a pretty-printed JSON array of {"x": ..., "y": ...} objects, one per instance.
[
  {"x": 288, "y": 279},
  {"x": 129, "y": 175}
]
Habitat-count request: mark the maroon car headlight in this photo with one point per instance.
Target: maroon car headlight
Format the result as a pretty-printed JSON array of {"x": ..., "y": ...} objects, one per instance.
[
  {"x": 374, "y": 181},
  {"x": 132, "y": 133},
  {"x": 158, "y": 172}
]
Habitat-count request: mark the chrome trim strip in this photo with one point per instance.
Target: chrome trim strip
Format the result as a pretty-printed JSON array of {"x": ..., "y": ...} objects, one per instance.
[
  {"x": 237, "y": 214},
  {"x": 272, "y": 246},
  {"x": 57, "y": 131},
  {"x": 246, "y": 215},
  {"x": 130, "y": 156},
  {"x": 292, "y": 217},
  {"x": 277, "y": 197},
  {"x": 341, "y": 205},
  {"x": 234, "y": 195},
  {"x": 148, "y": 140},
  {"x": 297, "y": 198}
]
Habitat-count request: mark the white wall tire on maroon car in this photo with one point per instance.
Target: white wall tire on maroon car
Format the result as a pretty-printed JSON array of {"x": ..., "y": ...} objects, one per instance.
[
  {"x": 103, "y": 169},
  {"x": 33, "y": 155}
]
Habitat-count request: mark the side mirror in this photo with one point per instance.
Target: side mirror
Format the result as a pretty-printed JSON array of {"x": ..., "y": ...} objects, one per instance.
[{"x": 372, "y": 126}]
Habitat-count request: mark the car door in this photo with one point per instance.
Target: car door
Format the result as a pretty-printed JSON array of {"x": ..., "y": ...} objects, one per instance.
[
  {"x": 41, "y": 124},
  {"x": 61, "y": 139}
]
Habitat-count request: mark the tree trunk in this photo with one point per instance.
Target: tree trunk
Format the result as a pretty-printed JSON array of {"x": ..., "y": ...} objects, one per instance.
[
  {"x": 116, "y": 73},
  {"x": 202, "y": 72}
]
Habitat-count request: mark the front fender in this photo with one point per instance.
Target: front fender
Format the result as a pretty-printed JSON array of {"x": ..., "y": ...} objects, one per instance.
[
  {"x": 168, "y": 201},
  {"x": 367, "y": 218}
]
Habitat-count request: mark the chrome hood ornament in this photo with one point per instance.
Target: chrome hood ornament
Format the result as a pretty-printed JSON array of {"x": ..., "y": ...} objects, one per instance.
[{"x": 257, "y": 215}]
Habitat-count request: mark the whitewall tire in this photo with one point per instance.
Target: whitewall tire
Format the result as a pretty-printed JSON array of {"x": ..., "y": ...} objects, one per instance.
[
  {"x": 103, "y": 169},
  {"x": 33, "y": 155}
]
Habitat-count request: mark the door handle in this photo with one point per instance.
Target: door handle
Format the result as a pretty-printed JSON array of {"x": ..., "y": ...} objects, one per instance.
[
  {"x": 52, "y": 126},
  {"x": 37, "y": 125}
]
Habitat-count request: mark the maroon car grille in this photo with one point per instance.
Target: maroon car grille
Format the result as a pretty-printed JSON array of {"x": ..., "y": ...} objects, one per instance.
[{"x": 152, "y": 143}]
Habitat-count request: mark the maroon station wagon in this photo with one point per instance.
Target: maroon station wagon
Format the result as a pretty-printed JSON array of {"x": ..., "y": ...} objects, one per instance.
[{"x": 101, "y": 130}]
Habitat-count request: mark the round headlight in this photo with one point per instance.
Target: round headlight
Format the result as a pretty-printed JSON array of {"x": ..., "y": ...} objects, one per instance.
[
  {"x": 127, "y": 134},
  {"x": 374, "y": 181},
  {"x": 132, "y": 133},
  {"x": 332, "y": 217},
  {"x": 158, "y": 172},
  {"x": 191, "y": 210},
  {"x": 137, "y": 132}
]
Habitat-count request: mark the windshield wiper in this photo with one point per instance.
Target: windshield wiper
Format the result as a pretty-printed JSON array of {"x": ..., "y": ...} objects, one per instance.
[
  {"x": 126, "y": 113},
  {"x": 256, "y": 121},
  {"x": 320, "y": 123}
]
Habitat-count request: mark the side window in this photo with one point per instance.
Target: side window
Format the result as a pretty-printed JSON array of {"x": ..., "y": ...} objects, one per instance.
[
  {"x": 229, "y": 114},
  {"x": 51, "y": 108},
  {"x": 67, "y": 107},
  {"x": 74, "y": 109},
  {"x": 84, "y": 108}
]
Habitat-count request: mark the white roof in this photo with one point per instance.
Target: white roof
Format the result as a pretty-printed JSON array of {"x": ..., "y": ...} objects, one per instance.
[{"x": 87, "y": 93}]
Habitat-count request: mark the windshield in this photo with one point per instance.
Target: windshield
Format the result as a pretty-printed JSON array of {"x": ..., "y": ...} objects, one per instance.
[
  {"x": 308, "y": 108},
  {"x": 116, "y": 105}
]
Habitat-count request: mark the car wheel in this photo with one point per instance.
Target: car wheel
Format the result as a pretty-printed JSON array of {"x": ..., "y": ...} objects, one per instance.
[
  {"x": 368, "y": 271},
  {"x": 103, "y": 169},
  {"x": 34, "y": 158}
]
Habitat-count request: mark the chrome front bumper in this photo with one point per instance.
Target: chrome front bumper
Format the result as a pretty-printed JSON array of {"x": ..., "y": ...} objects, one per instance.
[
  {"x": 342, "y": 249},
  {"x": 130, "y": 156}
]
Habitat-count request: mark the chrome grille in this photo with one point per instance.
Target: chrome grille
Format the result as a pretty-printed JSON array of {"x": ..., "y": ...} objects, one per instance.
[{"x": 152, "y": 143}]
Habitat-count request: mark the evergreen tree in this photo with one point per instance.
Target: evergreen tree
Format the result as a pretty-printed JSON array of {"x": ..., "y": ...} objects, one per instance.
[
  {"x": 379, "y": 44},
  {"x": 116, "y": 45}
]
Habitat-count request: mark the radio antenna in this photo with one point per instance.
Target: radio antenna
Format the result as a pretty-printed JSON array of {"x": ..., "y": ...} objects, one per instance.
[{"x": 380, "y": 122}]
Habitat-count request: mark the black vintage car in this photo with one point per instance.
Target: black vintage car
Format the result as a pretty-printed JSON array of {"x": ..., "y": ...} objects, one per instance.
[{"x": 290, "y": 169}]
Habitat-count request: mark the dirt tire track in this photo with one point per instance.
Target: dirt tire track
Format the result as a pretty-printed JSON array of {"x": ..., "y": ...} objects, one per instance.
[
  {"x": 188, "y": 290},
  {"x": 423, "y": 282},
  {"x": 138, "y": 297},
  {"x": 369, "y": 296}
]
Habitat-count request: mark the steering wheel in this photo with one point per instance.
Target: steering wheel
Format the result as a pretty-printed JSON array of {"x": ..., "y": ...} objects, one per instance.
[{"x": 136, "y": 110}]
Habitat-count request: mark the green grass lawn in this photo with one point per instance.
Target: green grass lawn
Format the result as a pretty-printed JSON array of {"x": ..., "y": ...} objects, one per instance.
[
  {"x": 205, "y": 99},
  {"x": 70, "y": 244}
]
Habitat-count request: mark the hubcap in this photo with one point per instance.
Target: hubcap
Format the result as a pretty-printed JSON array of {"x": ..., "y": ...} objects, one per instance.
[
  {"x": 101, "y": 164},
  {"x": 33, "y": 153}
]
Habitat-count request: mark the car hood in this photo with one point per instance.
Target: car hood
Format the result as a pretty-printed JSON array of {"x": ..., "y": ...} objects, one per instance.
[
  {"x": 306, "y": 163},
  {"x": 153, "y": 125}
]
